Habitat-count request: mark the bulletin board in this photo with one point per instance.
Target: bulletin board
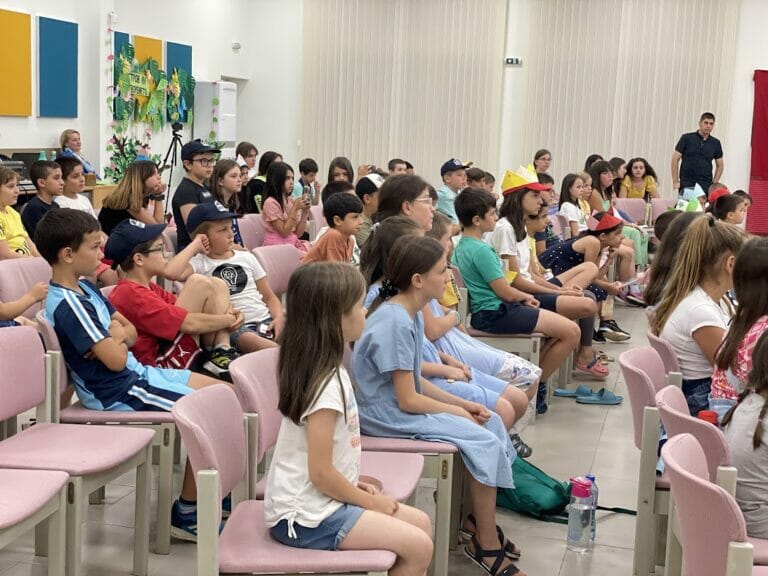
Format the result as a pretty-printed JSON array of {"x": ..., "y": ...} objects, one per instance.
[
  {"x": 15, "y": 64},
  {"x": 57, "y": 68}
]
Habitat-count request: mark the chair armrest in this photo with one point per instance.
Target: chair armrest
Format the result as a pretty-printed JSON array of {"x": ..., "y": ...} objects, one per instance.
[
  {"x": 726, "y": 479},
  {"x": 739, "y": 561},
  {"x": 208, "y": 521},
  {"x": 675, "y": 379}
]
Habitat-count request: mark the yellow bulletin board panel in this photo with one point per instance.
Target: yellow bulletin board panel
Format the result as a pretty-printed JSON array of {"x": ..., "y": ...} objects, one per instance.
[
  {"x": 146, "y": 48},
  {"x": 15, "y": 64}
]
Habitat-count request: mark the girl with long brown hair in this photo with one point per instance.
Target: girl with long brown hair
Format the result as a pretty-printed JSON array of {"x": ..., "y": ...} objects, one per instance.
[{"x": 140, "y": 185}]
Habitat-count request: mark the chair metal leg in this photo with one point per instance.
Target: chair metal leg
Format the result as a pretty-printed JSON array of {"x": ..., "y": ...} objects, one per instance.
[
  {"x": 673, "y": 562},
  {"x": 57, "y": 528},
  {"x": 439, "y": 565},
  {"x": 165, "y": 489},
  {"x": 141, "y": 518},
  {"x": 74, "y": 535}
]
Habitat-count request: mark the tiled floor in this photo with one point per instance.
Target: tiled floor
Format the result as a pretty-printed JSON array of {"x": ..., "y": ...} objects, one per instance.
[{"x": 571, "y": 439}]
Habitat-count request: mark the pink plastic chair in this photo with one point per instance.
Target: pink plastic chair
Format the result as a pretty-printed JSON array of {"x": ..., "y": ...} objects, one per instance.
[
  {"x": 255, "y": 379},
  {"x": 661, "y": 205},
  {"x": 709, "y": 524},
  {"x": 634, "y": 208},
  {"x": 278, "y": 262},
  {"x": 161, "y": 423},
  {"x": 17, "y": 276},
  {"x": 211, "y": 424},
  {"x": 170, "y": 240},
  {"x": 665, "y": 351},
  {"x": 92, "y": 458},
  {"x": 31, "y": 497},
  {"x": 252, "y": 230},
  {"x": 561, "y": 225},
  {"x": 644, "y": 376}
]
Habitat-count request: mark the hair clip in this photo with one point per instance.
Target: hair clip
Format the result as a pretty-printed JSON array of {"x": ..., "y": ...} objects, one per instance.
[{"x": 375, "y": 227}]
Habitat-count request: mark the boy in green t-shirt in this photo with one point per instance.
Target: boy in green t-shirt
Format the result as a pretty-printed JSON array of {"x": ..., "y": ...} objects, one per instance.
[{"x": 496, "y": 306}]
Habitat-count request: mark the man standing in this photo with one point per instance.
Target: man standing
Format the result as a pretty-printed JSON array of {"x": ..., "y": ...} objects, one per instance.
[{"x": 697, "y": 150}]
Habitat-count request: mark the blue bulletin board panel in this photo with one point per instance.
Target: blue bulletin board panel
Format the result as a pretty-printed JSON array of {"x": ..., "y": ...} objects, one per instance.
[
  {"x": 121, "y": 39},
  {"x": 57, "y": 58},
  {"x": 177, "y": 56}
]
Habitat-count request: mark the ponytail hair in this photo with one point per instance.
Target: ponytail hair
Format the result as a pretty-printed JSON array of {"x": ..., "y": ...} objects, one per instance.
[
  {"x": 375, "y": 251},
  {"x": 410, "y": 255},
  {"x": 757, "y": 383},
  {"x": 666, "y": 255},
  {"x": 705, "y": 245},
  {"x": 749, "y": 274}
]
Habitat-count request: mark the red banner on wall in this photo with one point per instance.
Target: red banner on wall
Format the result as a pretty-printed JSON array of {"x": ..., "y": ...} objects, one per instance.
[{"x": 757, "y": 217}]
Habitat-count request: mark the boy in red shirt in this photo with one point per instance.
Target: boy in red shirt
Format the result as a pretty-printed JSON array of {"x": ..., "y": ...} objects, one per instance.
[
  {"x": 171, "y": 329},
  {"x": 344, "y": 214}
]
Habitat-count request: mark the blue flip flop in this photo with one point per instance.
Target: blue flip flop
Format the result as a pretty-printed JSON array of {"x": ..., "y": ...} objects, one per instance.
[
  {"x": 603, "y": 397},
  {"x": 582, "y": 390}
]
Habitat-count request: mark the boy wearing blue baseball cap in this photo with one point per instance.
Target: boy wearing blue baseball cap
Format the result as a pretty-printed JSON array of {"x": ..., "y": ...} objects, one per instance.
[
  {"x": 171, "y": 329},
  {"x": 212, "y": 253},
  {"x": 454, "y": 175}
]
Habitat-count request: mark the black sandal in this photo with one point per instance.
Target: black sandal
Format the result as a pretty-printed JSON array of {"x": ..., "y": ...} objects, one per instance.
[
  {"x": 509, "y": 547},
  {"x": 479, "y": 554}
]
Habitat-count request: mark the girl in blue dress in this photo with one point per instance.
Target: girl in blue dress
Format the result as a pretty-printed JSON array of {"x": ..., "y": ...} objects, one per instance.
[{"x": 395, "y": 401}]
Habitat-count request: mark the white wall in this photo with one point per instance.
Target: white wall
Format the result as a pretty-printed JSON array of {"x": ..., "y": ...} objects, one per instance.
[{"x": 751, "y": 55}]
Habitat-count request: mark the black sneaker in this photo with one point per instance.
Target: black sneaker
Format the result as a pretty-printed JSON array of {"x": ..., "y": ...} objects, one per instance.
[
  {"x": 541, "y": 399},
  {"x": 219, "y": 360},
  {"x": 598, "y": 337},
  {"x": 612, "y": 332},
  {"x": 522, "y": 449}
]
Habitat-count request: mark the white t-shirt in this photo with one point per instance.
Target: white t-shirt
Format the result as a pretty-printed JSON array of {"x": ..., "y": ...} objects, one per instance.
[
  {"x": 503, "y": 241},
  {"x": 240, "y": 272},
  {"x": 751, "y": 464},
  {"x": 574, "y": 214},
  {"x": 697, "y": 310},
  {"x": 79, "y": 203},
  {"x": 289, "y": 494}
]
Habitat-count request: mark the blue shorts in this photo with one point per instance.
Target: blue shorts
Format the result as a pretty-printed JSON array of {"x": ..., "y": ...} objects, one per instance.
[
  {"x": 697, "y": 394},
  {"x": 157, "y": 392},
  {"x": 328, "y": 535},
  {"x": 509, "y": 318},
  {"x": 547, "y": 301},
  {"x": 254, "y": 327}
]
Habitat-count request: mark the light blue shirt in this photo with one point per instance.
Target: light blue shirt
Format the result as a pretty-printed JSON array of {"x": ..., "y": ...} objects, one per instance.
[{"x": 445, "y": 198}]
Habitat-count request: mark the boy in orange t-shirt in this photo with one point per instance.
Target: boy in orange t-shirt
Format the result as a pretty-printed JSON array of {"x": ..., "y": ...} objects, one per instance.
[{"x": 343, "y": 212}]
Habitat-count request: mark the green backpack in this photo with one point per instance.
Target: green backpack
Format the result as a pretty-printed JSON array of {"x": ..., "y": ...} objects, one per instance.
[{"x": 540, "y": 496}]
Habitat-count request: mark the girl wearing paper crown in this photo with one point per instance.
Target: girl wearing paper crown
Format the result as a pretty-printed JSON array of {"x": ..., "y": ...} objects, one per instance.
[
  {"x": 604, "y": 230},
  {"x": 562, "y": 294}
]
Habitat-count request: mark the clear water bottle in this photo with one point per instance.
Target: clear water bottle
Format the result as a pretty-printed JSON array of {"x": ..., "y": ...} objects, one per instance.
[
  {"x": 595, "y": 494},
  {"x": 53, "y": 156},
  {"x": 579, "y": 515}
]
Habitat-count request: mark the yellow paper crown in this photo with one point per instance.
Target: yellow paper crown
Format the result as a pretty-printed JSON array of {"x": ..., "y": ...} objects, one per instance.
[{"x": 521, "y": 178}]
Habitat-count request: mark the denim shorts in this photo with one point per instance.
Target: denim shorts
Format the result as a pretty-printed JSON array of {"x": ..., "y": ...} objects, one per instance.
[
  {"x": 251, "y": 327},
  {"x": 328, "y": 535},
  {"x": 697, "y": 394}
]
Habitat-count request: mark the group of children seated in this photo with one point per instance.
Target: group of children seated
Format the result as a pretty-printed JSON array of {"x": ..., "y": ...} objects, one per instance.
[{"x": 383, "y": 276}]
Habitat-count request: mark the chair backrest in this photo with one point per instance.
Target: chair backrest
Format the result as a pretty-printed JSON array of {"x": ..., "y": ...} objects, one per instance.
[
  {"x": 634, "y": 208},
  {"x": 255, "y": 378},
  {"x": 170, "y": 240},
  {"x": 22, "y": 365},
  {"x": 18, "y": 275},
  {"x": 252, "y": 230},
  {"x": 709, "y": 517},
  {"x": 676, "y": 418},
  {"x": 665, "y": 351},
  {"x": 643, "y": 373},
  {"x": 210, "y": 422},
  {"x": 661, "y": 205},
  {"x": 316, "y": 213},
  {"x": 561, "y": 225},
  {"x": 279, "y": 262},
  {"x": 52, "y": 343}
]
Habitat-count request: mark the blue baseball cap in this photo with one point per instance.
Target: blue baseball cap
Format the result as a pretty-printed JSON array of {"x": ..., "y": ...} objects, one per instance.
[
  {"x": 126, "y": 236},
  {"x": 195, "y": 147},
  {"x": 453, "y": 165},
  {"x": 207, "y": 212}
]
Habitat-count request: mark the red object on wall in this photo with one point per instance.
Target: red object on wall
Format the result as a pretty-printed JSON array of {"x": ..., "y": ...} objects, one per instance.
[{"x": 757, "y": 217}]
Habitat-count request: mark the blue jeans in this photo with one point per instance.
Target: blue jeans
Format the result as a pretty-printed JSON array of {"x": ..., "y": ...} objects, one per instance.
[
  {"x": 328, "y": 535},
  {"x": 697, "y": 394}
]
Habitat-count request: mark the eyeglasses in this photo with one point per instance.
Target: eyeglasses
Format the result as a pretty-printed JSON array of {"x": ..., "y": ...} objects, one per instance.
[
  {"x": 426, "y": 200},
  {"x": 205, "y": 161},
  {"x": 158, "y": 249}
]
